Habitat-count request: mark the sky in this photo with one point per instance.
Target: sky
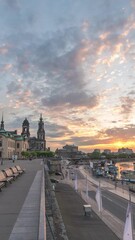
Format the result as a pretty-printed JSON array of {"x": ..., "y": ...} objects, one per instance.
[{"x": 74, "y": 62}]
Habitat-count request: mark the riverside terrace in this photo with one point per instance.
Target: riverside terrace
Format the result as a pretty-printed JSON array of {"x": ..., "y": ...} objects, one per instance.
[
  {"x": 22, "y": 205},
  {"x": 14, "y": 196},
  {"x": 23, "y": 209}
]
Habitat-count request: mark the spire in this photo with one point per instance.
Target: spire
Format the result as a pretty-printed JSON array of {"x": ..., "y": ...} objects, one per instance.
[
  {"x": 41, "y": 117},
  {"x": 25, "y": 128},
  {"x": 41, "y": 131},
  {"x": 2, "y": 123}
]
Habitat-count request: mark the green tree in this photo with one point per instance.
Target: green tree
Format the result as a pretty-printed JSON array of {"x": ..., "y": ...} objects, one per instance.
[
  {"x": 95, "y": 155},
  {"x": 37, "y": 154}
]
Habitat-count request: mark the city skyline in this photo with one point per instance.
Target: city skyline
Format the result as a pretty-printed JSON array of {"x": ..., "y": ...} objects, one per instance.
[{"x": 74, "y": 63}]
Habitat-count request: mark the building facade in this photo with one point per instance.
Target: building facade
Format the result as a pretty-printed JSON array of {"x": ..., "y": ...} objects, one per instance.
[
  {"x": 35, "y": 143},
  {"x": 107, "y": 151},
  {"x": 70, "y": 152},
  {"x": 25, "y": 128},
  {"x": 11, "y": 144},
  {"x": 125, "y": 151}
]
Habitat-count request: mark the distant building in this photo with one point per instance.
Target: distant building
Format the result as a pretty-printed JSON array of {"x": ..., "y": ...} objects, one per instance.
[
  {"x": 97, "y": 150},
  {"x": 125, "y": 151},
  {"x": 11, "y": 144},
  {"x": 71, "y": 148},
  {"x": 25, "y": 128},
  {"x": 70, "y": 152},
  {"x": 107, "y": 151},
  {"x": 35, "y": 143}
]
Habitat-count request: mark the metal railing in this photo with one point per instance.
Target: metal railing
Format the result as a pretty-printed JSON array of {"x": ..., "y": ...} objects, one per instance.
[{"x": 42, "y": 220}]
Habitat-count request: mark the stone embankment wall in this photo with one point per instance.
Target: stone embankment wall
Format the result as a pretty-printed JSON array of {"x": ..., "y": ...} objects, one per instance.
[{"x": 55, "y": 225}]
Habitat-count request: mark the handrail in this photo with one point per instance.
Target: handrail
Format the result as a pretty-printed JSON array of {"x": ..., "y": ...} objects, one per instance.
[{"x": 42, "y": 220}]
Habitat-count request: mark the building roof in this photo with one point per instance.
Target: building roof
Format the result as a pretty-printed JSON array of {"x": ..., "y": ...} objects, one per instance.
[
  {"x": 19, "y": 138},
  {"x": 8, "y": 134},
  {"x": 2, "y": 131},
  {"x": 25, "y": 122}
]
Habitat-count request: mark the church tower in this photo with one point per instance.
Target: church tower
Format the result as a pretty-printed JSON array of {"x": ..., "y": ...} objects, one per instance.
[
  {"x": 25, "y": 128},
  {"x": 41, "y": 131},
  {"x": 2, "y": 124}
]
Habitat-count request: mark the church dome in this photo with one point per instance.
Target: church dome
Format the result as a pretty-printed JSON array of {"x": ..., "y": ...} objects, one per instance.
[{"x": 25, "y": 122}]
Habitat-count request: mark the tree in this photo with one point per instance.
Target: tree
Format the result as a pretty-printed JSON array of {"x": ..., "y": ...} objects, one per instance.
[
  {"x": 39, "y": 154},
  {"x": 95, "y": 155}
]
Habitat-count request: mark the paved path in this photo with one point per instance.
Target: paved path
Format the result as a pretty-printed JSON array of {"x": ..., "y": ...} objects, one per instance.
[
  {"x": 12, "y": 198},
  {"x": 77, "y": 225},
  {"x": 27, "y": 224},
  {"x": 110, "y": 220}
]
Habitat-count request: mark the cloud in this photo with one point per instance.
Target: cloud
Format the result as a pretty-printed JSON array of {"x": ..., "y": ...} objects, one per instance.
[
  {"x": 69, "y": 71},
  {"x": 85, "y": 141},
  {"x": 73, "y": 99},
  {"x": 6, "y": 67},
  {"x": 54, "y": 130},
  {"x": 4, "y": 50},
  {"x": 13, "y": 4},
  {"x": 104, "y": 137},
  {"x": 132, "y": 92},
  {"x": 15, "y": 123},
  {"x": 127, "y": 105},
  {"x": 125, "y": 133},
  {"x": 55, "y": 60},
  {"x": 13, "y": 87},
  {"x": 133, "y": 3}
]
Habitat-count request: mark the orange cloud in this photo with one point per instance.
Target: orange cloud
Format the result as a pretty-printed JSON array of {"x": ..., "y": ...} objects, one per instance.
[
  {"x": 6, "y": 67},
  {"x": 114, "y": 146},
  {"x": 129, "y": 26},
  {"x": 85, "y": 26},
  {"x": 101, "y": 49},
  {"x": 104, "y": 36},
  {"x": 83, "y": 52},
  {"x": 3, "y": 50}
]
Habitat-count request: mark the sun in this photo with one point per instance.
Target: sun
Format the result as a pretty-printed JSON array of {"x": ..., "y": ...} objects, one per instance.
[
  {"x": 119, "y": 144},
  {"x": 124, "y": 144}
]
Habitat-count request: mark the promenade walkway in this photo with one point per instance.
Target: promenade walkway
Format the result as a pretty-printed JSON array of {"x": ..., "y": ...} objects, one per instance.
[
  {"x": 20, "y": 208},
  {"x": 77, "y": 225},
  {"x": 13, "y": 197},
  {"x": 27, "y": 223},
  {"x": 113, "y": 223}
]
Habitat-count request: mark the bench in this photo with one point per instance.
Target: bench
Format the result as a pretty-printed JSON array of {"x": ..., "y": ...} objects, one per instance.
[
  {"x": 15, "y": 172},
  {"x": 87, "y": 210},
  {"x": 3, "y": 179},
  {"x": 19, "y": 169},
  {"x": 8, "y": 174}
]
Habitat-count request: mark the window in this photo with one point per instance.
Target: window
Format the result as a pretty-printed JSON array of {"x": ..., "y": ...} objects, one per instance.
[
  {"x": 18, "y": 145},
  {"x": 0, "y": 143}
]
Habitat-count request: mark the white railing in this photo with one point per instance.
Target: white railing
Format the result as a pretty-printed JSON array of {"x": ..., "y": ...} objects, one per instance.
[{"x": 42, "y": 219}]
